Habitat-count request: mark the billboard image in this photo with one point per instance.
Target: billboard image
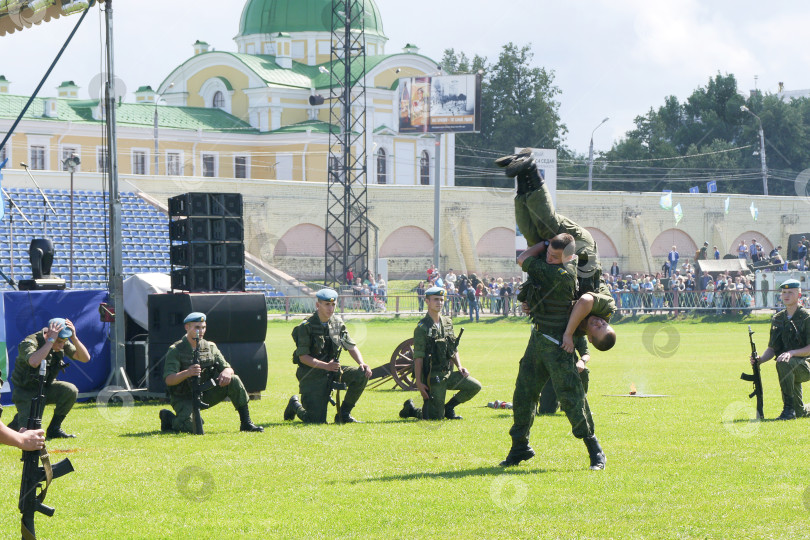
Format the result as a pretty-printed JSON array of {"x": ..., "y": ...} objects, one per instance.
[{"x": 441, "y": 104}]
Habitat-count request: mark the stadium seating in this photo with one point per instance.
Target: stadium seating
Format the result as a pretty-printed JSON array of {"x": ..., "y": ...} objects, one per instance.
[{"x": 145, "y": 234}]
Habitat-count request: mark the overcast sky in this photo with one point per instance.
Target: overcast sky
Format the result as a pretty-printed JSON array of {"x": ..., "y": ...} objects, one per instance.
[{"x": 614, "y": 58}]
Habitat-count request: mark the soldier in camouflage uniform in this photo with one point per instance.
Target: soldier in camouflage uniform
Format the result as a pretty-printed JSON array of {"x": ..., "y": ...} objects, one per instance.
[
  {"x": 790, "y": 344},
  {"x": 434, "y": 343},
  {"x": 178, "y": 368},
  {"x": 555, "y": 276},
  {"x": 318, "y": 341},
  {"x": 49, "y": 345}
]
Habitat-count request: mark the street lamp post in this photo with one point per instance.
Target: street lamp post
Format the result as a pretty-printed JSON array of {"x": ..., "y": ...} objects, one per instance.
[
  {"x": 590, "y": 156},
  {"x": 71, "y": 163},
  {"x": 157, "y": 151},
  {"x": 743, "y": 108}
]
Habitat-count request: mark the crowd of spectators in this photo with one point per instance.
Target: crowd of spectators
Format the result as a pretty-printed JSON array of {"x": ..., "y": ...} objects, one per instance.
[{"x": 473, "y": 295}]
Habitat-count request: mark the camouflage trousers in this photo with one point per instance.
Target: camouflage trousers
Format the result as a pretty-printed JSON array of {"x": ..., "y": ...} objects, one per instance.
[
  {"x": 433, "y": 408},
  {"x": 183, "y": 407},
  {"x": 544, "y": 360},
  {"x": 791, "y": 376},
  {"x": 538, "y": 220},
  {"x": 548, "y": 397},
  {"x": 59, "y": 393},
  {"x": 315, "y": 395}
]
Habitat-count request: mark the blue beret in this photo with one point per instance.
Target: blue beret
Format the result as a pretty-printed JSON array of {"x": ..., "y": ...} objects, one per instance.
[
  {"x": 65, "y": 332},
  {"x": 326, "y": 295},
  {"x": 194, "y": 317},
  {"x": 791, "y": 284},
  {"x": 435, "y": 291}
]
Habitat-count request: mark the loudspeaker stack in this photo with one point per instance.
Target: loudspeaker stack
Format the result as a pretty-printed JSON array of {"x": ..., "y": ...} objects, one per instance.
[{"x": 207, "y": 235}]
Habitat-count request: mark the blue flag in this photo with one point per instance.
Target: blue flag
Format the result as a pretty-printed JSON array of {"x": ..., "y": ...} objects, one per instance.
[
  {"x": 694, "y": 189},
  {"x": 711, "y": 187}
]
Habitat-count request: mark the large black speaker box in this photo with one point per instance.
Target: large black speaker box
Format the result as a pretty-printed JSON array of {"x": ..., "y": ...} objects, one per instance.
[
  {"x": 209, "y": 279},
  {"x": 206, "y": 204},
  {"x": 248, "y": 360},
  {"x": 231, "y": 317}
]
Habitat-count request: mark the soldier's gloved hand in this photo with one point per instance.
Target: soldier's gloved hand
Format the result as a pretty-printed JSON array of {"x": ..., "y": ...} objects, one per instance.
[
  {"x": 332, "y": 366},
  {"x": 194, "y": 370}
]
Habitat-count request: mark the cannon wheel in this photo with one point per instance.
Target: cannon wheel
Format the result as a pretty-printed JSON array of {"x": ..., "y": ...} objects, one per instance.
[{"x": 401, "y": 366}]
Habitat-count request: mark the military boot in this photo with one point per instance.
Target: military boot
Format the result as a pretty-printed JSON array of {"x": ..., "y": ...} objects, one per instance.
[
  {"x": 449, "y": 410},
  {"x": 245, "y": 423},
  {"x": 345, "y": 417},
  {"x": 505, "y": 161},
  {"x": 292, "y": 407},
  {"x": 166, "y": 419},
  {"x": 516, "y": 455},
  {"x": 55, "y": 429},
  {"x": 408, "y": 410},
  {"x": 787, "y": 414},
  {"x": 595, "y": 452},
  {"x": 15, "y": 423}
]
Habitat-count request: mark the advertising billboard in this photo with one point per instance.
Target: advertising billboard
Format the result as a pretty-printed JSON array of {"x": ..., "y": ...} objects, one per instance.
[{"x": 440, "y": 104}]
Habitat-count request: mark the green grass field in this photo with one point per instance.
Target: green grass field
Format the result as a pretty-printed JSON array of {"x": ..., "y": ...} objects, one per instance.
[{"x": 690, "y": 465}]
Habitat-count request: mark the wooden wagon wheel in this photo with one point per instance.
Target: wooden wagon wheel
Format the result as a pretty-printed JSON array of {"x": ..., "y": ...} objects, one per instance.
[{"x": 401, "y": 366}]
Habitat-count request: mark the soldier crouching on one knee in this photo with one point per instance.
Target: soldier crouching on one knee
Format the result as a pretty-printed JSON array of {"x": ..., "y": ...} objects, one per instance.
[
  {"x": 790, "y": 345},
  {"x": 434, "y": 346},
  {"x": 49, "y": 345},
  {"x": 179, "y": 368},
  {"x": 318, "y": 342}
]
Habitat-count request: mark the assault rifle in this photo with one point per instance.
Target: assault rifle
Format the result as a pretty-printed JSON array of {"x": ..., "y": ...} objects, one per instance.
[
  {"x": 334, "y": 381},
  {"x": 755, "y": 378},
  {"x": 197, "y": 389},
  {"x": 32, "y": 474},
  {"x": 427, "y": 362}
]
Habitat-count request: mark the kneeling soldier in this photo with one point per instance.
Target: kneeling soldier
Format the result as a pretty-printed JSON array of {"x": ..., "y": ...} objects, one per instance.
[
  {"x": 179, "y": 368},
  {"x": 435, "y": 348},
  {"x": 318, "y": 342},
  {"x": 790, "y": 344}
]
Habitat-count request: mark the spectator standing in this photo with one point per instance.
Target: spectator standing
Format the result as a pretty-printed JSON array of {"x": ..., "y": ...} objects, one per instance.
[
  {"x": 349, "y": 276},
  {"x": 672, "y": 258},
  {"x": 420, "y": 295},
  {"x": 614, "y": 270},
  {"x": 742, "y": 250},
  {"x": 752, "y": 250},
  {"x": 716, "y": 254},
  {"x": 702, "y": 254},
  {"x": 801, "y": 251}
]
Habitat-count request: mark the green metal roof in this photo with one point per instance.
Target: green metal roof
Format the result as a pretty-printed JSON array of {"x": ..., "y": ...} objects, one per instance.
[
  {"x": 128, "y": 114},
  {"x": 313, "y": 126},
  {"x": 272, "y": 16}
]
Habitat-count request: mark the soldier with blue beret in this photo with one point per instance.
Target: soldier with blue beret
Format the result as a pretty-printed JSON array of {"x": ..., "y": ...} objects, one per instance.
[
  {"x": 49, "y": 345},
  {"x": 790, "y": 344},
  {"x": 179, "y": 369},
  {"x": 318, "y": 343},
  {"x": 435, "y": 349}
]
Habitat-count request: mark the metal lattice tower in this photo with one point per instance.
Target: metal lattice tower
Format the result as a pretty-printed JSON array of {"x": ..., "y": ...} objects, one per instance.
[{"x": 346, "y": 205}]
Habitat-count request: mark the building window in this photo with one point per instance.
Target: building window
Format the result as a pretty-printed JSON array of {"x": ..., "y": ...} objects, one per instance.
[
  {"x": 174, "y": 166},
  {"x": 219, "y": 100},
  {"x": 209, "y": 165},
  {"x": 138, "y": 162},
  {"x": 424, "y": 169},
  {"x": 67, "y": 152},
  {"x": 382, "y": 170},
  {"x": 38, "y": 158},
  {"x": 240, "y": 167},
  {"x": 103, "y": 162}
]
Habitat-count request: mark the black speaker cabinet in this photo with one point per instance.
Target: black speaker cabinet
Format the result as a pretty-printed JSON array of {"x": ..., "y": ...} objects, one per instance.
[
  {"x": 193, "y": 279},
  {"x": 196, "y": 254},
  {"x": 196, "y": 229},
  {"x": 206, "y": 204},
  {"x": 230, "y": 254},
  {"x": 230, "y": 317},
  {"x": 226, "y": 204},
  {"x": 227, "y": 229},
  {"x": 136, "y": 362}
]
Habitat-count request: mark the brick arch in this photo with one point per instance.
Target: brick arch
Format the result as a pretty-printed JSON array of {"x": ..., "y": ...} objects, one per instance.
[
  {"x": 605, "y": 246},
  {"x": 497, "y": 242},
  {"x": 663, "y": 243},
  {"x": 305, "y": 240},
  {"x": 408, "y": 241},
  {"x": 767, "y": 245}
]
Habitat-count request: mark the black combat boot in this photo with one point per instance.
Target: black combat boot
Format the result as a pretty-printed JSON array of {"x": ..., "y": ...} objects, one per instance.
[
  {"x": 505, "y": 161},
  {"x": 516, "y": 455},
  {"x": 449, "y": 410},
  {"x": 15, "y": 423},
  {"x": 408, "y": 410},
  {"x": 166, "y": 418},
  {"x": 595, "y": 452},
  {"x": 345, "y": 416},
  {"x": 292, "y": 408},
  {"x": 787, "y": 414},
  {"x": 246, "y": 424},
  {"x": 55, "y": 429}
]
